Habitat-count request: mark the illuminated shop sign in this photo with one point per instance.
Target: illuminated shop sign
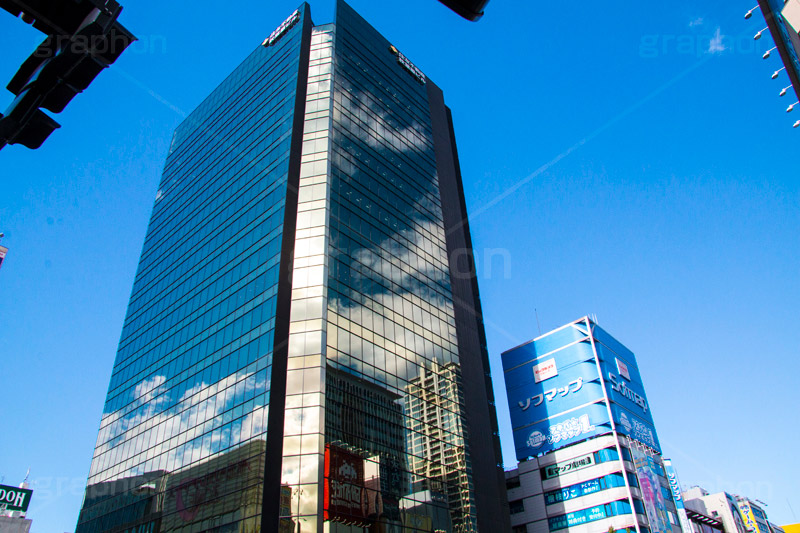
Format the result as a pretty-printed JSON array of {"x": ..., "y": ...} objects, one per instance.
[
  {"x": 408, "y": 65},
  {"x": 281, "y": 30}
]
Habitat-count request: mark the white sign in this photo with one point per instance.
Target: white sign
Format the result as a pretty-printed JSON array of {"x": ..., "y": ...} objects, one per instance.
[
  {"x": 408, "y": 65},
  {"x": 621, "y": 388},
  {"x": 565, "y": 430},
  {"x": 283, "y": 28},
  {"x": 623, "y": 370},
  {"x": 545, "y": 370}
]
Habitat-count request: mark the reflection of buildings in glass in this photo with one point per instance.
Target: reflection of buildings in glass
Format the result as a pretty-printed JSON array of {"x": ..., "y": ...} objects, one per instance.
[
  {"x": 136, "y": 501},
  {"x": 363, "y": 415},
  {"x": 426, "y": 511},
  {"x": 222, "y": 491},
  {"x": 366, "y": 418},
  {"x": 337, "y": 272},
  {"x": 436, "y": 439}
]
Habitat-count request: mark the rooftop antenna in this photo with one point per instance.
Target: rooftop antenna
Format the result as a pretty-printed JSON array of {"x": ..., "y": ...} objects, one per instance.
[{"x": 537, "y": 321}]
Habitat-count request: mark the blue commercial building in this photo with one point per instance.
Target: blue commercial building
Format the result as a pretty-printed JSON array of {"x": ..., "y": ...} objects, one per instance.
[
  {"x": 304, "y": 324},
  {"x": 584, "y": 434}
]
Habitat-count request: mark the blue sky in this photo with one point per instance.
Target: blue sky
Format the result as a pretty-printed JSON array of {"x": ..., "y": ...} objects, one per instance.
[{"x": 632, "y": 161}]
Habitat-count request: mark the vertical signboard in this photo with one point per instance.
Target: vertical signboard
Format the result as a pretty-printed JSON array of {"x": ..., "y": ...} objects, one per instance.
[
  {"x": 654, "y": 503},
  {"x": 625, "y": 389},
  {"x": 749, "y": 519},
  {"x": 677, "y": 495}
]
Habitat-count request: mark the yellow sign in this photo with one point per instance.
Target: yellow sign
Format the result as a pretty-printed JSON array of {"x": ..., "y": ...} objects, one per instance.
[{"x": 749, "y": 520}]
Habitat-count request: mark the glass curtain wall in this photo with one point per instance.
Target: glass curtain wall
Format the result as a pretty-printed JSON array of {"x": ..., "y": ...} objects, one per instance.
[{"x": 182, "y": 436}]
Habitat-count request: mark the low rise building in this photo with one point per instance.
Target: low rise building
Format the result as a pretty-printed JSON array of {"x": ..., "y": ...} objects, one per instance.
[{"x": 720, "y": 506}]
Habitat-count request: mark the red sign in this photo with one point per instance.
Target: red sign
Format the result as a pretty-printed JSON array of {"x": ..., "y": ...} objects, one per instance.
[{"x": 344, "y": 493}]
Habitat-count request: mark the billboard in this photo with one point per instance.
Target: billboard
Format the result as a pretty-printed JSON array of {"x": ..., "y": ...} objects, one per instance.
[
  {"x": 555, "y": 399},
  {"x": 654, "y": 503},
  {"x": 14, "y": 498},
  {"x": 677, "y": 495},
  {"x": 556, "y": 395},
  {"x": 629, "y": 405}
]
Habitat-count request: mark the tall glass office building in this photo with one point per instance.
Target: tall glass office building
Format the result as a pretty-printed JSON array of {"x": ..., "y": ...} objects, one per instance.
[{"x": 303, "y": 350}]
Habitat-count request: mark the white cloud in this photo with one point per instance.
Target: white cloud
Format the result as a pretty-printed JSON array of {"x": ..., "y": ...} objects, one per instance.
[
  {"x": 716, "y": 45},
  {"x": 146, "y": 432},
  {"x": 696, "y": 22}
]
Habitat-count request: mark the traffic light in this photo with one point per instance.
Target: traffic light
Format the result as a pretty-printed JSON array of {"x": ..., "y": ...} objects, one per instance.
[{"x": 62, "y": 66}]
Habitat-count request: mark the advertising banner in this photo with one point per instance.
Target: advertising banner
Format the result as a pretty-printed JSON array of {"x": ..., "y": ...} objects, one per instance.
[
  {"x": 556, "y": 396},
  {"x": 625, "y": 390},
  {"x": 577, "y": 518},
  {"x": 747, "y": 516},
  {"x": 624, "y": 381},
  {"x": 634, "y": 427},
  {"x": 15, "y": 499},
  {"x": 555, "y": 400},
  {"x": 572, "y": 492},
  {"x": 572, "y": 387},
  {"x": 654, "y": 503},
  {"x": 563, "y": 430},
  {"x": 344, "y": 495},
  {"x": 677, "y": 495}
]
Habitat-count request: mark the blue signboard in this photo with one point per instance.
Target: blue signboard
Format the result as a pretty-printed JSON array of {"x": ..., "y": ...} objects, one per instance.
[
  {"x": 629, "y": 404},
  {"x": 535, "y": 349},
  {"x": 634, "y": 427},
  {"x": 556, "y": 397},
  {"x": 577, "y": 518},
  {"x": 562, "y": 430},
  {"x": 575, "y": 491},
  {"x": 574, "y": 386}
]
